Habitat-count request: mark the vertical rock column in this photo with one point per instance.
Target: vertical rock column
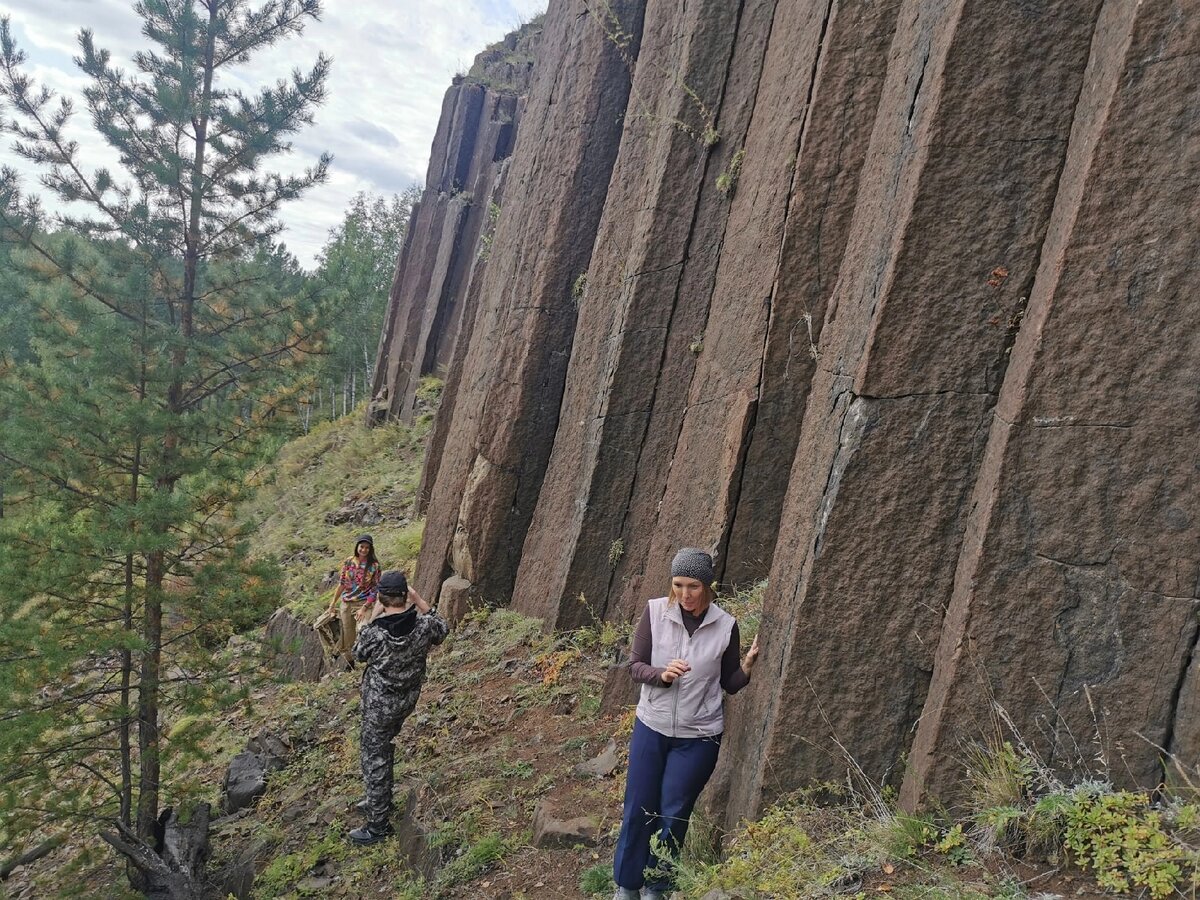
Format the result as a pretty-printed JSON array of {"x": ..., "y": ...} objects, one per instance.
[
  {"x": 506, "y": 411},
  {"x": 430, "y": 290},
  {"x": 953, "y": 203},
  {"x": 469, "y": 313},
  {"x": 791, "y": 213},
  {"x": 1074, "y": 612},
  {"x": 645, "y": 301},
  {"x": 430, "y": 242}
]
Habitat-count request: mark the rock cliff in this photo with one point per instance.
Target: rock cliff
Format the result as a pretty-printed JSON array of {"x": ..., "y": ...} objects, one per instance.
[{"x": 886, "y": 302}]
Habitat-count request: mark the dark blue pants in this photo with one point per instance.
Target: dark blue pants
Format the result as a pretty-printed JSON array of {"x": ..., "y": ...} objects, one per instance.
[{"x": 665, "y": 777}]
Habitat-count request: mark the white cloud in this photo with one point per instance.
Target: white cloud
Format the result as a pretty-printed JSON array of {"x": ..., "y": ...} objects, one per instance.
[{"x": 392, "y": 63}]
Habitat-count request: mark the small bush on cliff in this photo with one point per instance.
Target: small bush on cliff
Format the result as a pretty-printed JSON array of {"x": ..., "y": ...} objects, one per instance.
[{"x": 728, "y": 179}]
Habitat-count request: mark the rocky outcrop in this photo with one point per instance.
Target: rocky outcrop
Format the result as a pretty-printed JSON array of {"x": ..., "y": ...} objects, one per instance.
[
  {"x": 559, "y": 828},
  {"x": 1074, "y": 598},
  {"x": 886, "y": 302},
  {"x": 246, "y": 777},
  {"x": 912, "y": 353},
  {"x": 292, "y": 649},
  {"x": 644, "y": 306},
  {"x": 476, "y": 133},
  {"x": 506, "y": 403}
]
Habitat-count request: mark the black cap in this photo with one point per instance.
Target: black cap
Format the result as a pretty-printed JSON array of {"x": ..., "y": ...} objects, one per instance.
[
  {"x": 364, "y": 539},
  {"x": 392, "y": 583}
]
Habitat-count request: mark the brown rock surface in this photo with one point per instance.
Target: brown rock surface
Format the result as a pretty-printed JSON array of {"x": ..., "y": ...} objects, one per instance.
[
  {"x": 787, "y": 230},
  {"x": 912, "y": 352},
  {"x": 1074, "y": 603},
  {"x": 436, "y": 442},
  {"x": 506, "y": 407},
  {"x": 454, "y": 599},
  {"x": 646, "y": 301},
  {"x": 292, "y": 648},
  {"x": 931, "y": 352},
  {"x": 476, "y": 133}
]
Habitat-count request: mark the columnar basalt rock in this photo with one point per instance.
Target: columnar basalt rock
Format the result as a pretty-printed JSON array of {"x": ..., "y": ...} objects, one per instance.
[
  {"x": 779, "y": 264},
  {"x": 890, "y": 301},
  {"x": 506, "y": 408},
  {"x": 1073, "y": 617},
  {"x": 643, "y": 303},
  {"x": 470, "y": 306},
  {"x": 943, "y": 248},
  {"x": 476, "y": 133}
]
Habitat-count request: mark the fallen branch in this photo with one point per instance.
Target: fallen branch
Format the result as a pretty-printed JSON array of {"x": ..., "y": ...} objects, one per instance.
[{"x": 29, "y": 856}]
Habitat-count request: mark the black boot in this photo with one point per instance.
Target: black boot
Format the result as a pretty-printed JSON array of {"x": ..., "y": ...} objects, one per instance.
[{"x": 371, "y": 833}]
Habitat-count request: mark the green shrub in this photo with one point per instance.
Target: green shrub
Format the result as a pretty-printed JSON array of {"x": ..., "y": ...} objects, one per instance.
[
  {"x": 1122, "y": 838},
  {"x": 597, "y": 881},
  {"x": 728, "y": 179}
]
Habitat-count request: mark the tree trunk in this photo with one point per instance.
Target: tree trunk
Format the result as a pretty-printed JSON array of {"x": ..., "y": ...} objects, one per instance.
[
  {"x": 176, "y": 871},
  {"x": 149, "y": 771}
]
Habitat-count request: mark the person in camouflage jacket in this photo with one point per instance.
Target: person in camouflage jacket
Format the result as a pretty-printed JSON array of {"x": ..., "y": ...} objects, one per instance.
[{"x": 394, "y": 645}]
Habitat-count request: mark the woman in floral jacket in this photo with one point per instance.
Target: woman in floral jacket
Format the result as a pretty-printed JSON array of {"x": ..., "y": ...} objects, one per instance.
[{"x": 357, "y": 589}]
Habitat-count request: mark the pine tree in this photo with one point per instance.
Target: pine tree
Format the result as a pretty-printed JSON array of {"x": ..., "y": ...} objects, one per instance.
[{"x": 165, "y": 324}]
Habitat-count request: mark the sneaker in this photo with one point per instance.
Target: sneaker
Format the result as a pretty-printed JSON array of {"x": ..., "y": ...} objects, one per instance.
[
  {"x": 626, "y": 894},
  {"x": 652, "y": 894},
  {"x": 370, "y": 834}
]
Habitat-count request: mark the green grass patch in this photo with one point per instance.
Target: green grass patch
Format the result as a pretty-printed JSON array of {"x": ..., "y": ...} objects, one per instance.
[
  {"x": 597, "y": 881},
  {"x": 337, "y": 465}
]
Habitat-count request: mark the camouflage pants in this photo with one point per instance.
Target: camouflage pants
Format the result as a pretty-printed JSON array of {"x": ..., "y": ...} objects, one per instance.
[{"x": 382, "y": 717}]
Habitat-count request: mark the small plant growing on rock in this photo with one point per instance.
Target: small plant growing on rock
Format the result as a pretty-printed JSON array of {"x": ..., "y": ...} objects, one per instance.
[
  {"x": 579, "y": 288},
  {"x": 610, "y": 24},
  {"x": 727, "y": 180},
  {"x": 615, "y": 551}
]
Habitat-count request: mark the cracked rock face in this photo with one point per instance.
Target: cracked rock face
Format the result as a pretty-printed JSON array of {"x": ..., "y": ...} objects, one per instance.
[{"x": 889, "y": 303}]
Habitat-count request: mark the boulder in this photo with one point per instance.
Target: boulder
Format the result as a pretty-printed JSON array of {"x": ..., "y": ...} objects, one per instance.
[
  {"x": 554, "y": 828},
  {"x": 412, "y": 836},
  {"x": 620, "y": 692},
  {"x": 358, "y": 512},
  {"x": 454, "y": 599},
  {"x": 602, "y": 766},
  {"x": 246, "y": 778},
  {"x": 293, "y": 649}
]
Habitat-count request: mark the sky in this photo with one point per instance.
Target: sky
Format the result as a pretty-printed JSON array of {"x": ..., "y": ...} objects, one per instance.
[{"x": 392, "y": 63}]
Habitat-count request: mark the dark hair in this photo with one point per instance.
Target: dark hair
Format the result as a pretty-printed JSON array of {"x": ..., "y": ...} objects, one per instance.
[{"x": 371, "y": 560}]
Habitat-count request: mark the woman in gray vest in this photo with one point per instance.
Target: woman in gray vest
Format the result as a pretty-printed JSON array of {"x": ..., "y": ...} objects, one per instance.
[{"x": 686, "y": 654}]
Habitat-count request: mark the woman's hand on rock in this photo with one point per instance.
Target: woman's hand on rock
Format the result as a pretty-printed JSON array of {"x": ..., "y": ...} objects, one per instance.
[
  {"x": 751, "y": 656},
  {"x": 674, "y": 669}
]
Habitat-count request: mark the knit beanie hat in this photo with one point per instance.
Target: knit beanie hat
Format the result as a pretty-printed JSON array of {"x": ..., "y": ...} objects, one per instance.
[{"x": 692, "y": 563}]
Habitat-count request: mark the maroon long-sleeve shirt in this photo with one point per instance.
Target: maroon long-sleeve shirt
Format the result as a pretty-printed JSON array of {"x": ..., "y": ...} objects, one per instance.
[{"x": 733, "y": 678}]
